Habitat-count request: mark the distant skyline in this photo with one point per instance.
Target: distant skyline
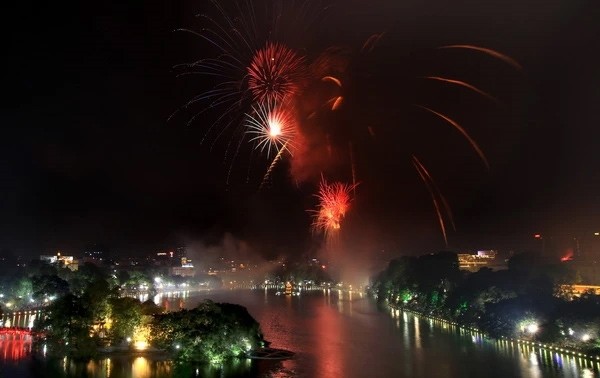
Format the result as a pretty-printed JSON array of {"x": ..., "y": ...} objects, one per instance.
[{"x": 88, "y": 154}]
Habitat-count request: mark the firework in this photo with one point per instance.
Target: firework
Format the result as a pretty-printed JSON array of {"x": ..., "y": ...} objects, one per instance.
[
  {"x": 462, "y": 84},
  {"x": 334, "y": 202},
  {"x": 436, "y": 197},
  {"x": 493, "y": 53},
  {"x": 334, "y": 80},
  {"x": 271, "y": 127},
  {"x": 463, "y": 132},
  {"x": 275, "y": 73},
  {"x": 264, "y": 81}
]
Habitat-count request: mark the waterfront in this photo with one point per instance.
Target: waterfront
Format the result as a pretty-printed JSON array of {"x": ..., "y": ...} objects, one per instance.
[{"x": 335, "y": 334}]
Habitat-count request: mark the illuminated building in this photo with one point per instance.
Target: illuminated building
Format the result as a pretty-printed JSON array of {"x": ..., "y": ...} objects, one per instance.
[
  {"x": 66, "y": 261},
  {"x": 473, "y": 262},
  {"x": 185, "y": 270}
]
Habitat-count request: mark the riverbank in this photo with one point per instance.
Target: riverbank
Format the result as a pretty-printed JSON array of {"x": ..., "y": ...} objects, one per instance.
[{"x": 531, "y": 343}]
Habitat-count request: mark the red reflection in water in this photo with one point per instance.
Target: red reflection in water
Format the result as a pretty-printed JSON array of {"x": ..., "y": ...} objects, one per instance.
[
  {"x": 14, "y": 344},
  {"x": 329, "y": 345}
]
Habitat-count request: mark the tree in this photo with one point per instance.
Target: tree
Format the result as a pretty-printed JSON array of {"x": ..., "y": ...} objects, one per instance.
[
  {"x": 66, "y": 327},
  {"x": 126, "y": 315},
  {"x": 49, "y": 285},
  {"x": 211, "y": 332}
]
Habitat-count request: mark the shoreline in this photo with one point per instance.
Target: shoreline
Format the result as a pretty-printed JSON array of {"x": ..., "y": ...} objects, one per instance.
[{"x": 534, "y": 344}]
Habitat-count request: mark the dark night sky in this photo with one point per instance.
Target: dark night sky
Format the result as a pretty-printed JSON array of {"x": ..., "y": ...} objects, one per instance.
[{"x": 88, "y": 155}]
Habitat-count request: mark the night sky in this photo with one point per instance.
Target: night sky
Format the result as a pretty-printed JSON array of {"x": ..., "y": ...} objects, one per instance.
[{"x": 88, "y": 154}]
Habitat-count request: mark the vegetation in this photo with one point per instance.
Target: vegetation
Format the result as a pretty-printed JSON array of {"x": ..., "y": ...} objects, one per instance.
[
  {"x": 524, "y": 301},
  {"x": 87, "y": 311},
  {"x": 211, "y": 332}
]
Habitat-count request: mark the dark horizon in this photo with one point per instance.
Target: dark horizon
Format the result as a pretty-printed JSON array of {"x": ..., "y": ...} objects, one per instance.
[{"x": 89, "y": 155}]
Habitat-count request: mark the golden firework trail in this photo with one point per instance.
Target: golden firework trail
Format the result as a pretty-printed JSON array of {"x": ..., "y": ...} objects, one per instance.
[
  {"x": 437, "y": 190},
  {"x": 332, "y": 79},
  {"x": 490, "y": 52},
  {"x": 272, "y": 166},
  {"x": 463, "y": 84},
  {"x": 422, "y": 173},
  {"x": 462, "y": 131}
]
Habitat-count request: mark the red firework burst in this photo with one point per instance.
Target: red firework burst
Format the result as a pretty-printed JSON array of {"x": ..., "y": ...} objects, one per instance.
[
  {"x": 275, "y": 73},
  {"x": 334, "y": 202}
]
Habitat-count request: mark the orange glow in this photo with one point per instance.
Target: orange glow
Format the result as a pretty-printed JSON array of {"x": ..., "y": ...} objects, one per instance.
[
  {"x": 332, "y": 79},
  {"x": 337, "y": 103},
  {"x": 568, "y": 255}
]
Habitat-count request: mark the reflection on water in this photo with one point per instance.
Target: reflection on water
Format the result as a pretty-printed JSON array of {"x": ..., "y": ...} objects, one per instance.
[
  {"x": 334, "y": 334},
  {"x": 14, "y": 345}
]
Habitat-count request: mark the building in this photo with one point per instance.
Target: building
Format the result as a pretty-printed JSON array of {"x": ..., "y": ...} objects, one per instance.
[
  {"x": 474, "y": 262},
  {"x": 185, "y": 270},
  {"x": 66, "y": 261}
]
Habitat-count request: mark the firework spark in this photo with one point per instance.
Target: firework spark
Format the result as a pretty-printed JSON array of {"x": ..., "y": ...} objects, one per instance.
[
  {"x": 334, "y": 202},
  {"x": 275, "y": 73},
  {"x": 463, "y": 84},
  {"x": 436, "y": 196},
  {"x": 498, "y": 55},
  {"x": 271, "y": 126},
  {"x": 463, "y": 132},
  {"x": 335, "y": 80}
]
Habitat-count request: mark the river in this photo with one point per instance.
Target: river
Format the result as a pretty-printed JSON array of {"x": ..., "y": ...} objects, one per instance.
[{"x": 334, "y": 334}]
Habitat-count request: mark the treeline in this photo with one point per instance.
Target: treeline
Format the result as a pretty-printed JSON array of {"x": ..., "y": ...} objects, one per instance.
[
  {"x": 85, "y": 313},
  {"x": 527, "y": 300},
  {"x": 39, "y": 282},
  {"x": 84, "y": 310}
]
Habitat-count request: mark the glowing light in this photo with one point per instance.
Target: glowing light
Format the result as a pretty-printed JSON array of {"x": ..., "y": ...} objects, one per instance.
[
  {"x": 334, "y": 80},
  {"x": 274, "y": 128},
  {"x": 140, "y": 345},
  {"x": 532, "y": 328},
  {"x": 271, "y": 126},
  {"x": 585, "y": 337},
  {"x": 141, "y": 368}
]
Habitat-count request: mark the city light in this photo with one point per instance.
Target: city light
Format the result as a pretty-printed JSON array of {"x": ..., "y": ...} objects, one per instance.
[{"x": 585, "y": 337}]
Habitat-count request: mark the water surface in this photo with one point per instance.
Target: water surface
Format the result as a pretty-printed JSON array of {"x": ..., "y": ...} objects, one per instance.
[{"x": 334, "y": 334}]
